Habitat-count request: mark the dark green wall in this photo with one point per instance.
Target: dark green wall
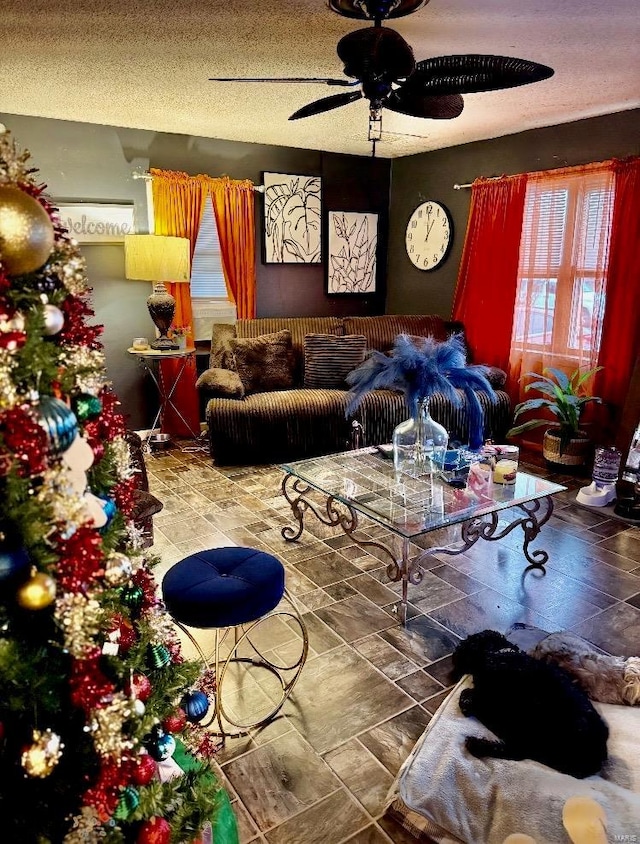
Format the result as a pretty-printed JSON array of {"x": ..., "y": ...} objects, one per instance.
[
  {"x": 89, "y": 162},
  {"x": 432, "y": 175}
]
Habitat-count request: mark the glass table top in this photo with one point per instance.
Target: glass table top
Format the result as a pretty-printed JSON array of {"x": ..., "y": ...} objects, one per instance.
[{"x": 367, "y": 481}]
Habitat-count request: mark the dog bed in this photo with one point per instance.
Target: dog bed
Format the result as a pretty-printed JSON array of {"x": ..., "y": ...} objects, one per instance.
[{"x": 444, "y": 794}]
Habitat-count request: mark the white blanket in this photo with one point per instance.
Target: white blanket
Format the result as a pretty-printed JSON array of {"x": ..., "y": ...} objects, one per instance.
[{"x": 482, "y": 801}]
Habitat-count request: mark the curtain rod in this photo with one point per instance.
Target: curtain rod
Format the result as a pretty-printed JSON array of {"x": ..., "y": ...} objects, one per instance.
[
  {"x": 469, "y": 185},
  {"x": 149, "y": 178}
]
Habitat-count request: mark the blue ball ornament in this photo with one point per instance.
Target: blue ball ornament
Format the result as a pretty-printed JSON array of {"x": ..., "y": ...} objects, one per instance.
[
  {"x": 162, "y": 747},
  {"x": 196, "y": 705},
  {"x": 58, "y": 421},
  {"x": 14, "y": 565}
]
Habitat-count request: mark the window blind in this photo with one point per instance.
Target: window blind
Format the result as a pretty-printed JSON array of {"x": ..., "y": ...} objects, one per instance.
[{"x": 207, "y": 278}]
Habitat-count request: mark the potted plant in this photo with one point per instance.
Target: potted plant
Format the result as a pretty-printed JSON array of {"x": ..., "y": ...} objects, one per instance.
[{"x": 564, "y": 442}]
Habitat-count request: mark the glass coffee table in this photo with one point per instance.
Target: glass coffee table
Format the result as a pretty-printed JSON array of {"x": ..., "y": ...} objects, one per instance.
[{"x": 339, "y": 489}]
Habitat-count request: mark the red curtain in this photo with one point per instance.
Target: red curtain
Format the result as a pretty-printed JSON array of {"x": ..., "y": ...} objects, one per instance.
[
  {"x": 620, "y": 344},
  {"x": 485, "y": 295}
]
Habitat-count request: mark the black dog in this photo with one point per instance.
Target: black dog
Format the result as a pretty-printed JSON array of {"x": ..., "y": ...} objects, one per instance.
[{"x": 536, "y": 709}]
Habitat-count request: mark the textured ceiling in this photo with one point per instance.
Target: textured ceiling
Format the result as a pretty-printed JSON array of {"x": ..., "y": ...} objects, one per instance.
[{"x": 145, "y": 64}]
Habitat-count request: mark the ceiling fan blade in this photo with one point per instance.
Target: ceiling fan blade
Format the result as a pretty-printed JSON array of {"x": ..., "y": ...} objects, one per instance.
[
  {"x": 474, "y": 73},
  {"x": 376, "y": 52},
  {"x": 376, "y": 9},
  {"x": 326, "y": 104},
  {"x": 346, "y": 83},
  {"x": 419, "y": 104}
]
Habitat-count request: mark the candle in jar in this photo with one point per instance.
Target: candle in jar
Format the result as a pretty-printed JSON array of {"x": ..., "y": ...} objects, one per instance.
[{"x": 505, "y": 472}]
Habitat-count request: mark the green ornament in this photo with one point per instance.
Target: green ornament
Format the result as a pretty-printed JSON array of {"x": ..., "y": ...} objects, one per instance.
[
  {"x": 132, "y": 596},
  {"x": 159, "y": 656},
  {"x": 128, "y": 803},
  {"x": 87, "y": 406}
]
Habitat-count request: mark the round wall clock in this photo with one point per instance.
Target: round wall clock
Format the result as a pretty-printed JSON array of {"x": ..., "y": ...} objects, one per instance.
[{"x": 428, "y": 236}]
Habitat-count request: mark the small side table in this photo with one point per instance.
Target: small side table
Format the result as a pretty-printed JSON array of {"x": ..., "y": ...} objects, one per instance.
[{"x": 150, "y": 360}]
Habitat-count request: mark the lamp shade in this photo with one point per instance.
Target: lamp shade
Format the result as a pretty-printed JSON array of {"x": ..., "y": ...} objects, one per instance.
[{"x": 155, "y": 257}]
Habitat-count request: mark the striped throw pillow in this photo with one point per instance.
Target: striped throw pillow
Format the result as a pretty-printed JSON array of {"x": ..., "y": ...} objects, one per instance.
[{"x": 329, "y": 359}]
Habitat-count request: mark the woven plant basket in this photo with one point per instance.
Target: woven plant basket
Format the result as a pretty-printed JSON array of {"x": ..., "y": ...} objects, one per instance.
[{"x": 575, "y": 453}]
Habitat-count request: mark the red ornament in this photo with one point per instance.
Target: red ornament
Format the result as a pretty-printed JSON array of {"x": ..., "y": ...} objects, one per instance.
[
  {"x": 154, "y": 831},
  {"x": 128, "y": 636},
  {"x": 145, "y": 770},
  {"x": 140, "y": 687},
  {"x": 176, "y": 722}
]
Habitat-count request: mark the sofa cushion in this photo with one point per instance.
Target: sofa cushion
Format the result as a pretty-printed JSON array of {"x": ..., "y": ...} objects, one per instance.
[
  {"x": 264, "y": 363},
  {"x": 278, "y": 426},
  {"x": 329, "y": 359},
  {"x": 225, "y": 382},
  {"x": 381, "y": 331}
]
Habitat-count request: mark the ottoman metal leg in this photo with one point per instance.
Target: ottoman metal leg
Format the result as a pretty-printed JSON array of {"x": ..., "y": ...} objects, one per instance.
[{"x": 219, "y": 718}]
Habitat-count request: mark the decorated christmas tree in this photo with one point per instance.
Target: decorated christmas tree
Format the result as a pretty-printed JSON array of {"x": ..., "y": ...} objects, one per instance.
[{"x": 99, "y": 712}]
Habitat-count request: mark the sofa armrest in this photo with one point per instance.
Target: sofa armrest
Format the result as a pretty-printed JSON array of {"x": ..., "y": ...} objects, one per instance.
[{"x": 221, "y": 382}]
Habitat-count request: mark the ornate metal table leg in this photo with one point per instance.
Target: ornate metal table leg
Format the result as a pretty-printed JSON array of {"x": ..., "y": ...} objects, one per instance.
[
  {"x": 531, "y": 527},
  {"x": 486, "y": 527}
]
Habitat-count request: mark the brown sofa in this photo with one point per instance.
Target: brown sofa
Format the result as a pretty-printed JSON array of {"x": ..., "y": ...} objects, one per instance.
[{"x": 288, "y": 424}]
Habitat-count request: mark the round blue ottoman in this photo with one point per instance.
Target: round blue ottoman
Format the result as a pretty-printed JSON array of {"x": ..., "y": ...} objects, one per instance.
[
  {"x": 223, "y": 587},
  {"x": 232, "y": 591}
]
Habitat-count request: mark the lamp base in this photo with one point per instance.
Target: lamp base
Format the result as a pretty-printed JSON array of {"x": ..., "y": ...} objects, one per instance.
[
  {"x": 164, "y": 344},
  {"x": 162, "y": 307}
]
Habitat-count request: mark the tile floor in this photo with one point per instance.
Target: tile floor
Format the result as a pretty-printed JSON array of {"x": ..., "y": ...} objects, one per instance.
[{"x": 319, "y": 773}]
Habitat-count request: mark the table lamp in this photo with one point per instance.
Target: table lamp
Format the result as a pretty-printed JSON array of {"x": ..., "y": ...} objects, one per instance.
[{"x": 158, "y": 258}]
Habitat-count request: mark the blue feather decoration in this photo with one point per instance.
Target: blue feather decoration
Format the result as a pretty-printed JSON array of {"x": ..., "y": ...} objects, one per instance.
[{"x": 419, "y": 368}]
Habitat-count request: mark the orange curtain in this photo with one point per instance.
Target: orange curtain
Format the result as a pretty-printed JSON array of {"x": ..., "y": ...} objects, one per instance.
[
  {"x": 620, "y": 344},
  {"x": 485, "y": 294},
  {"x": 234, "y": 207},
  {"x": 178, "y": 203},
  {"x": 562, "y": 273}
]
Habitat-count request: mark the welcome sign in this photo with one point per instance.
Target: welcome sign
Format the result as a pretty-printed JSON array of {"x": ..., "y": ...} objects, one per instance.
[{"x": 97, "y": 222}]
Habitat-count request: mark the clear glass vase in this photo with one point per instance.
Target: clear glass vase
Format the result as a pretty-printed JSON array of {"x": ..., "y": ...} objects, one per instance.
[{"x": 419, "y": 443}]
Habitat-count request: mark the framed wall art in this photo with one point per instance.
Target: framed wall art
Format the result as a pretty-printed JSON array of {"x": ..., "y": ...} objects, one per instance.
[
  {"x": 353, "y": 241},
  {"x": 292, "y": 219}
]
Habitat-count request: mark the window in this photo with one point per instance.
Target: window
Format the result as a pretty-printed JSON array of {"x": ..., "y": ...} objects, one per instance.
[
  {"x": 209, "y": 298},
  {"x": 562, "y": 268}
]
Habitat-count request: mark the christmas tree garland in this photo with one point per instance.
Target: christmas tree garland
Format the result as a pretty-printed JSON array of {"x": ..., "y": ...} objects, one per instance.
[{"x": 91, "y": 672}]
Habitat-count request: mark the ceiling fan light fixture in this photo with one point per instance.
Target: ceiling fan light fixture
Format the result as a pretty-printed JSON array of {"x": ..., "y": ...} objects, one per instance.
[
  {"x": 375, "y": 124},
  {"x": 375, "y": 9}
]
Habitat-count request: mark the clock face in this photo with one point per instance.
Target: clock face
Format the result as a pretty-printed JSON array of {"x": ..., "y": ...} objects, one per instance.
[{"x": 428, "y": 235}]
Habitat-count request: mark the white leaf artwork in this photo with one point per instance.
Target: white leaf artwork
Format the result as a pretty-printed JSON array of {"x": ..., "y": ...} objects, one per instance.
[
  {"x": 292, "y": 219},
  {"x": 353, "y": 239}
]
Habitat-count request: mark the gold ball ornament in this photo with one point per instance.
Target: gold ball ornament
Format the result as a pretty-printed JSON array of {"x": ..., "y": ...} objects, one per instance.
[
  {"x": 118, "y": 569},
  {"x": 38, "y": 592},
  {"x": 40, "y": 758},
  {"x": 26, "y": 232}
]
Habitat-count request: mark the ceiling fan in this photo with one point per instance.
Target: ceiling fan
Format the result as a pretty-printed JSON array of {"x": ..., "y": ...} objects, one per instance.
[{"x": 381, "y": 68}]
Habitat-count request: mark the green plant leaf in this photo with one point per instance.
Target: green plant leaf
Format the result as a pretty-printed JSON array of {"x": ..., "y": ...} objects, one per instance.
[
  {"x": 528, "y": 426},
  {"x": 561, "y": 377}
]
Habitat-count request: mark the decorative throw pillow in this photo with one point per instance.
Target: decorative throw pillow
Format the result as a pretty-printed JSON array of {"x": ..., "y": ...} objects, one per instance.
[
  {"x": 226, "y": 382},
  {"x": 221, "y": 355},
  {"x": 496, "y": 377},
  {"x": 264, "y": 363},
  {"x": 329, "y": 359}
]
